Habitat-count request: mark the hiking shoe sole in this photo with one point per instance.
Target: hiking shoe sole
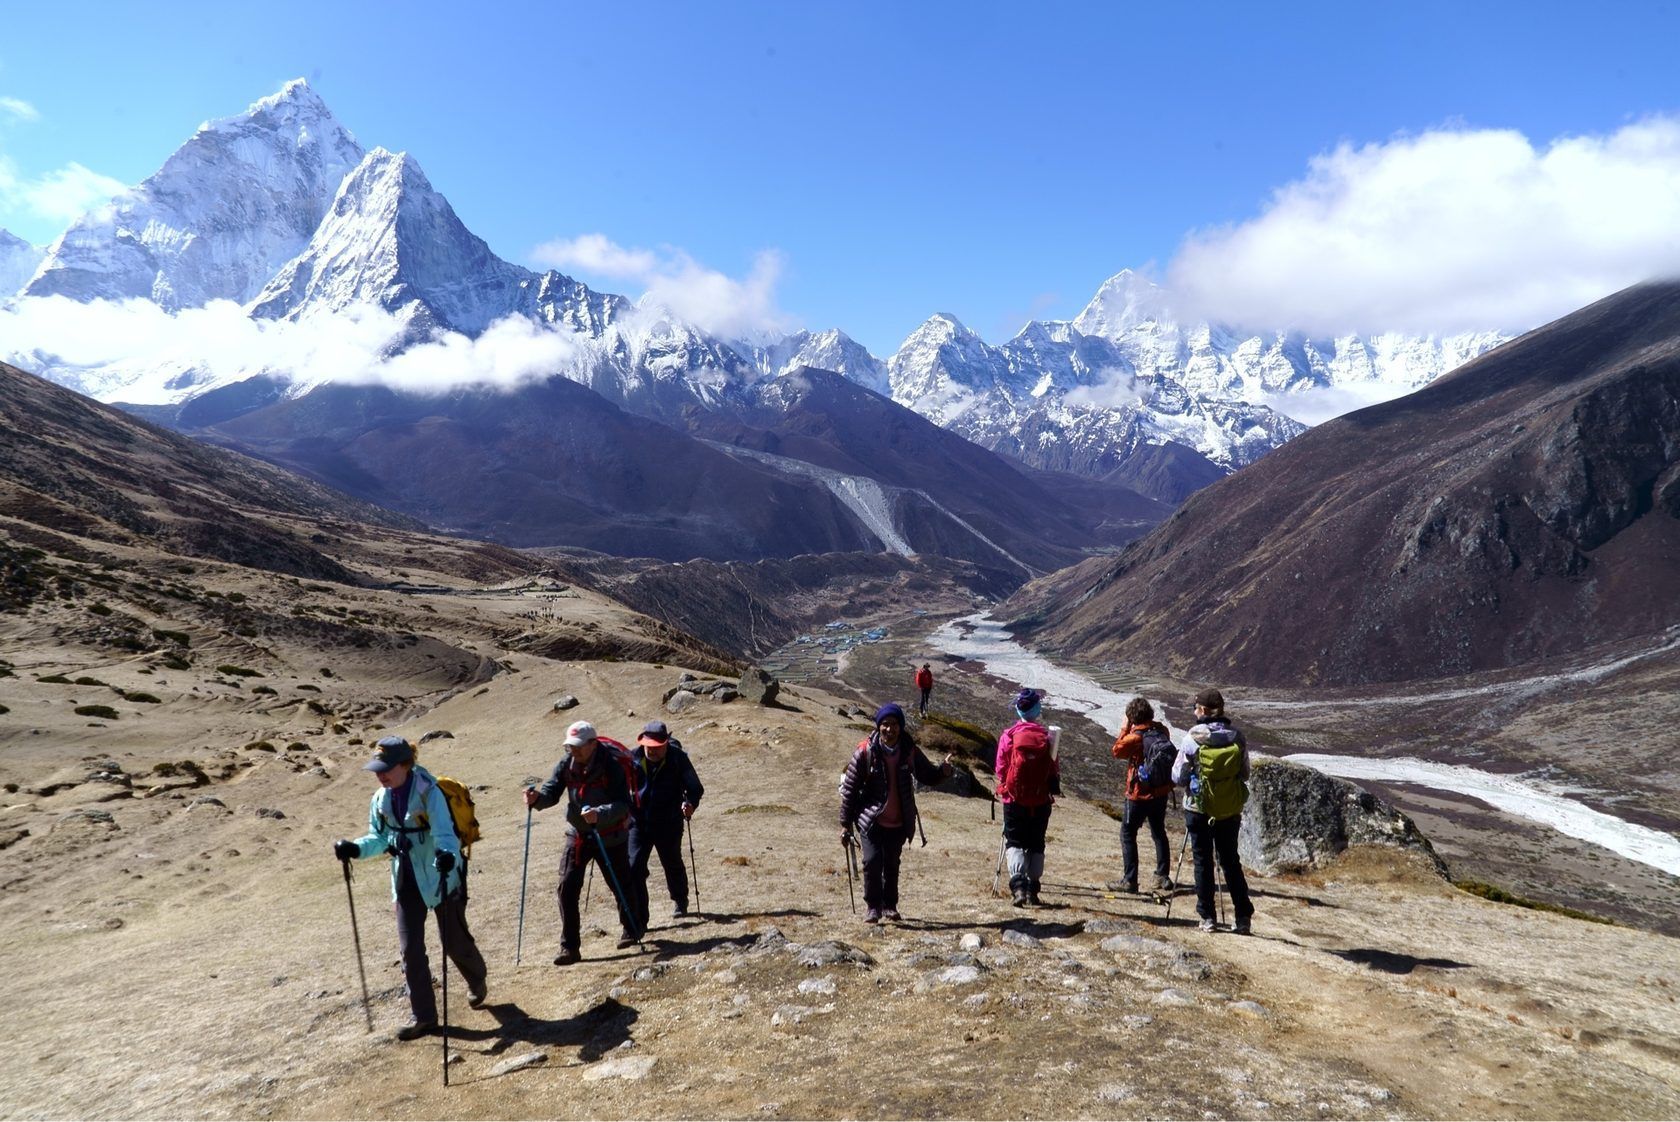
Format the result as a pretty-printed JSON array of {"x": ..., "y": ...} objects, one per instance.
[
  {"x": 414, "y": 1030},
  {"x": 566, "y": 958}
]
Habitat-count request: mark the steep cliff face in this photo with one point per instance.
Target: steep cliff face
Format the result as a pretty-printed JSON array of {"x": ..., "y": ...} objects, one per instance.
[{"x": 1521, "y": 507}]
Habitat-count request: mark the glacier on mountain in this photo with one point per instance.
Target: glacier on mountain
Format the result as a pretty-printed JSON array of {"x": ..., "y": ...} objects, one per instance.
[{"x": 18, "y": 262}]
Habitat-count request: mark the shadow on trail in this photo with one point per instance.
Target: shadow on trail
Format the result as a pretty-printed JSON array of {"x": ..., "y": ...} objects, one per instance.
[
  {"x": 594, "y": 1032},
  {"x": 1393, "y": 962}
]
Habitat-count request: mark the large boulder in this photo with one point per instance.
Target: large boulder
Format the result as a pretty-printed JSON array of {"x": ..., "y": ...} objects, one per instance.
[
  {"x": 759, "y": 686},
  {"x": 1298, "y": 818}
]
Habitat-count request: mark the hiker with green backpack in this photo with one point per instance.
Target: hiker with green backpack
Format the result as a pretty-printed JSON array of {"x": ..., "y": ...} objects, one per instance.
[
  {"x": 411, "y": 821},
  {"x": 1213, "y": 764}
]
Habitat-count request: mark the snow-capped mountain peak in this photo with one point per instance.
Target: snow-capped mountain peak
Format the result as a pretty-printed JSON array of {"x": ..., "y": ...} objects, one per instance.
[
  {"x": 232, "y": 204},
  {"x": 1125, "y": 301},
  {"x": 18, "y": 262}
]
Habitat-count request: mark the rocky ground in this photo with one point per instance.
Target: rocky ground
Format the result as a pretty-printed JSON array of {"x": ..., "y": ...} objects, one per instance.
[{"x": 179, "y": 942}]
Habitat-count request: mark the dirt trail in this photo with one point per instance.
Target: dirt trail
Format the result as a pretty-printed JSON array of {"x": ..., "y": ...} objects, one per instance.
[{"x": 194, "y": 960}]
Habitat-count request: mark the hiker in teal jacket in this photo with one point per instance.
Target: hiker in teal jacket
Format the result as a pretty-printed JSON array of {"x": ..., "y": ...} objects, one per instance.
[{"x": 409, "y": 820}]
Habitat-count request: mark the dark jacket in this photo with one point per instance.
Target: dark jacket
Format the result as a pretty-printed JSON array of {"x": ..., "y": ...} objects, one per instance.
[
  {"x": 664, "y": 787},
  {"x": 601, "y": 787},
  {"x": 864, "y": 788}
]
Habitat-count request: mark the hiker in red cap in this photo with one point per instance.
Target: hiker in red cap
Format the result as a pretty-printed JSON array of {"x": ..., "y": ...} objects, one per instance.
[{"x": 668, "y": 791}]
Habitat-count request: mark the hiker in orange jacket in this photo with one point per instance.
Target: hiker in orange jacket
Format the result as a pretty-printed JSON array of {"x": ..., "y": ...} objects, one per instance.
[
  {"x": 1146, "y": 746},
  {"x": 924, "y": 682}
]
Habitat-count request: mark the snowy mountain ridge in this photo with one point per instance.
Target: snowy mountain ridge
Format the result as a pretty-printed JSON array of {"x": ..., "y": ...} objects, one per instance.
[{"x": 282, "y": 211}]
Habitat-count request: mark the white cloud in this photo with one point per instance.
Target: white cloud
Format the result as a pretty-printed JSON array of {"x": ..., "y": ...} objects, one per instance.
[
  {"x": 62, "y": 196},
  {"x": 19, "y": 109},
  {"x": 1113, "y": 389},
  {"x": 104, "y": 346},
  {"x": 1449, "y": 230},
  {"x": 675, "y": 282}
]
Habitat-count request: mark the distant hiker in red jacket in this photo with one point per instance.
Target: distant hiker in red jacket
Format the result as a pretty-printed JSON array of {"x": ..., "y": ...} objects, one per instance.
[
  {"x": 1146, "y": 746},
  {"x": 924, "y": 682},
  {"x": 1028, "y": 778}
]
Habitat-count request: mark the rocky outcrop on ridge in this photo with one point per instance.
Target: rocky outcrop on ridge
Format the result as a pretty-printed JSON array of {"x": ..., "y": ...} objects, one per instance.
[{"x": 1298, "y": 818}]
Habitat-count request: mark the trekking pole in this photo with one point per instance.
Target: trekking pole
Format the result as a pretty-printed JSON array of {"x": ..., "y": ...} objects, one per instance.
[
  {"x": 851, "y": 891},
  {"x": 1177, "y": 872},
  {"x": 356, "y": 934},
  {"x": 443, "y": 953},
  {"x": 920, "y": 830},
  {"x": 693, "y": 865},
  {"x": 997, "y": 873},
  {"x": 524, "y": 869},
  {"x": 618, "y": 891},
  {"x": 588, "y": 883}
]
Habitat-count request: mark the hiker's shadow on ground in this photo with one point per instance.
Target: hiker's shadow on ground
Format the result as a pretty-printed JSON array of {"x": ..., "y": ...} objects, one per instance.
[
  {"x": 737, "y": 917},
  {"x": 1393, "y": 962},
  {"x": 594, "y": 1032}
]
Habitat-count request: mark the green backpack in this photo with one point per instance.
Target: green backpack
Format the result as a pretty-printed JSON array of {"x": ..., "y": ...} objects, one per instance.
[{"x": 1219, "y": 790}]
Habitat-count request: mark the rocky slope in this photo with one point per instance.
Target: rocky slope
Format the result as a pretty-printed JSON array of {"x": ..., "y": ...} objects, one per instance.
[{"x": 1522, "y": 507}]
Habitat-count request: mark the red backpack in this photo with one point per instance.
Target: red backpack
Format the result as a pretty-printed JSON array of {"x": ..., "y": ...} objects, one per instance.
[
  {"x": 1029, "y": 783},
  {"x": 627, "y": 762}
]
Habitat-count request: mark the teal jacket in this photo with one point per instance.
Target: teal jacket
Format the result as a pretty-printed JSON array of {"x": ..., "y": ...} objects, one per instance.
[{"x": 428, "y": 829}]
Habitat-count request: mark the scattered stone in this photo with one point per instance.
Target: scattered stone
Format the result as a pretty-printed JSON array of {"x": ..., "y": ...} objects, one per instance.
[
  {"x": 972, "y": 941},
  {"x": 520, "y": 1063},
  {"x": 207, "y": 800},
  {"x": 1109, "y": 927},
  {"x": 958, "y": 976},
  {"x": 796, "y": 1014},
  {"x": 1137, "y": 944},
  {"x": 1135, "y": 1021},
  {"x": 832, "y": 952},
  {"x": 770, "y": 939},
  {"x": 1170, "y": 996},
  {"x": 687, "y": 677},
  {"x": 86, "y": 817},
  {"x": 997, "y": 959},
  {"x": 1250, "y": 1009},
  {"x": 1189, "y": 966},
  {"x": 1021, "y": 939},
  {"x": 726, "y": 977},
  {"x": 740, "y": 999},
  {"x": 649, "y": 973},
  {"x": 823, "y": 986},
  {"x": 437, "y": 734},
  {"x": 1297, "y": 818},
  {"x": 963, "y": 958},
  {"x": 561, "y": 704},
  {"x": 726, "y": 693},
  {"x": 630, "y": 1068},
  {"x": 1113, "y": 1093},
  {"x": 758, "y": 685},
  {"x": 681, "y": 700},
  {"x": 976, "y": 1000},
  {"x": 270, "y": 812}
]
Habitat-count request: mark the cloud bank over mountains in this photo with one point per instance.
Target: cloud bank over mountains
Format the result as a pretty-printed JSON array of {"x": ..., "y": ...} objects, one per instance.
[{"x": 1445, "y": 231}]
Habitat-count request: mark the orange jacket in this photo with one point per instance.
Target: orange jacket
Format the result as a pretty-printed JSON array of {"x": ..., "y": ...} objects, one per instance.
[{"x": 1128, "y": 746}]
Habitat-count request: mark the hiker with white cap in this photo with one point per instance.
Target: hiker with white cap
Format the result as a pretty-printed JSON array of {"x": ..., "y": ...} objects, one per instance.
[
  {"x": 409, "y": 820},
  {"x": 668, "y": 790},
  {"x": 598, "y": 817}
]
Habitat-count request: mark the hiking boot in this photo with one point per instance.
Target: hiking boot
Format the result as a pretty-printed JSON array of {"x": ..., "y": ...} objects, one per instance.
[
  {"x": 1020, "y": 898},
  {"x": 476, "y": 998},
  {"x": 626, "y": 939},
  {"x": 1164, "y": 883},
  {"x": 874, "y": 916},
  {"x": 679, "y": 911},
  {"x": 1121, "y": 886},
  {"x": 567, "y": 956},
  {"x": 414, "y": 1030},
  {"x": 1207, "y": 925},
  {"x": 1241, "y": 927},
  {"x": 892, "y": 914},
  {"x": 1036, "y": 900}
]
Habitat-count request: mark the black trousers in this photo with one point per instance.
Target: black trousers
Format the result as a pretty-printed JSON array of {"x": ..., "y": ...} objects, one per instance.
[
  {"x": 883, "y": 846},
  {"x": 1023, "y": 840},
  {"x": 665, "y": 839},
  {"x": 923, "y": 704},
  {"x": 579, "y": 851},
  {"x": 411, "y": 938},
  {"x": 1138, "y": 812},
  {"x": 1205, "y": 839}
]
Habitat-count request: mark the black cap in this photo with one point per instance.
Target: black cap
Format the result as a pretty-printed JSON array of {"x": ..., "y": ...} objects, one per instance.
[
  {"x": 654, "y": 732},
  {"x": 393, "y": 750}
]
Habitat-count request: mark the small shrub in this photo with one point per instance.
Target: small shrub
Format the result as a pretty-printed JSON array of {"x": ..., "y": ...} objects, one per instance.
[
  {"x": 140, "y": 698},
  {"x": 4, "y": 710},
  {"x": 233, "y": 671},
  {"x": 55, "y": 680},
  {"x": 354, "y": 740},
  {"x": 176, "y": 662},
  {"x": 245, "y": 631},
  {"x": 319, "y": 708},
  {"x": 260, "y": 746},
  {"x": 128, "y": 643},
  {"x": 339, "y": 730},
  {"x": 310, "y": 687},
  {"x": 326, "y": 672},
  {"x": 264, "y": 689},
  {"x": 1502, "y": 896},
  {"x": 179, "y": 638},
  {"x": 99, "y": 608},
  {"x": 236, "y": 597},
  {"x": 90, "y": 682},
  {"x": 297, "y": 746},
  {"x": 103, "y": 712},
  {"x": 761, "y": 808}
]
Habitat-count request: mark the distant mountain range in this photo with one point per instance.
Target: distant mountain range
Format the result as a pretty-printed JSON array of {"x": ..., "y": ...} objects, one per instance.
[
  {"x": 1524, "y": 507},
  {"x": 282, "y": 211}
]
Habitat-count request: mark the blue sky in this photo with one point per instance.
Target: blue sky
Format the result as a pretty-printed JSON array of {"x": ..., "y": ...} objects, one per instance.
[{"x": 869, "y": 165}]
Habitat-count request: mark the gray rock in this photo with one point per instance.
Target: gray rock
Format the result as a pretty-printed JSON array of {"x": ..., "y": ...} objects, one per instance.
[
  {"x": 1170, "y": 996},
  {"x": 726, "y": 977},
  {"x": 1189, "y": 966},
  {"x": 726, "y": 693},
  {"x": 823, "y": 986},
  {"x": 207, "y": 800},
  {"x": 687, "y": 677},
  {"x": 963, "y": 958},
  {"x": 976, "y": 1000},
  {"x": 759, "y": 686},
  {"x": 681, "y": 700},
  {"x": 520, "y": 1063},
  {"x": 971, "y": 942},
  {"x": 1250, "y": 1009},
  {"x": 630, "y": 1068},
  {"x": 1110, "y": 927},
  {"x": 832, "y": 952},
  {"x": 270, "y": 812},
  {"x": 87, "y": 817},
  {"x": 796, "y": 1014},
  {"x": 561, "y": 704},
  {"x": 1138, "y": 945},
  {"x": 1298, "y": 818},
  {"x": 957, "y": 976},
  {"x": 1135, "y": 1021},
  {"x": 1114, "y": 1093},
  {"x": 437, "y": 734},
  {"x": 1021, "y": 939},
  {"x": 996, "y": 958}
]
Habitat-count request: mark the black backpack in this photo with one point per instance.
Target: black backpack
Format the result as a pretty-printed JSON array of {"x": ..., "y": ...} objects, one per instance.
[{"x": 1155, "y": 769}]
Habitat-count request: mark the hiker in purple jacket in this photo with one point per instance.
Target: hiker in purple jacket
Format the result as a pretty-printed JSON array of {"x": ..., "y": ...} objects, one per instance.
[{"x": 878, "y": 797}]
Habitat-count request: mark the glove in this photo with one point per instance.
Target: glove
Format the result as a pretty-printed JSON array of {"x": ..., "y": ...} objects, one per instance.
[
  {"x": 1056, "y": 786},
  {"x": 444, "y": 861},
  {"x": 346, "y": 850}
]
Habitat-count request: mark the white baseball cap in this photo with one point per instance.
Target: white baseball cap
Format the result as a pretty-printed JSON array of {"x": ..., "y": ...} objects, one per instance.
[{"x": 580, "y": 732}]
